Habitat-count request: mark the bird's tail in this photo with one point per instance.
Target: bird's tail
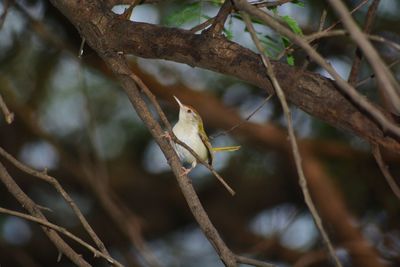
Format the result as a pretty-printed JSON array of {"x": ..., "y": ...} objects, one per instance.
[{"x": 225, "y": 149}]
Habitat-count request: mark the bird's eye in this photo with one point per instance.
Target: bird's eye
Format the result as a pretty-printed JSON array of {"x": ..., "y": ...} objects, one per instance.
[{"x": 189, "y": 111}]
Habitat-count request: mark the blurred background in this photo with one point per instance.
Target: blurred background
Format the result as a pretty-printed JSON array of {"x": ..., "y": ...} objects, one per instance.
[{"x": 73, "y": 119}]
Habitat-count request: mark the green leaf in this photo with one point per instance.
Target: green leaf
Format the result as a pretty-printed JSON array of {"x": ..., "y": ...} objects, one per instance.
[
  {"x": 289, "y": 57},
  {"x": 228, "y": 33},
  {"x": 290, "y": 60},
  {"x": 294, "y": 26},
  {"x": 298, "y": 3},
  {"x": 188, "y": 13}
]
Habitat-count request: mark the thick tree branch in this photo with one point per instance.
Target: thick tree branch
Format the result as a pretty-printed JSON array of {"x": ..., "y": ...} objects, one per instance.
[
  {"x": 311, "y": 92},
  {"x": 360, "y": 101}
]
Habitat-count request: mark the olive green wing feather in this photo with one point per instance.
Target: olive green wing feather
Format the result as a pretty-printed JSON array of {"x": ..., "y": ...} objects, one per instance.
[{"x": 206, "y": 142}]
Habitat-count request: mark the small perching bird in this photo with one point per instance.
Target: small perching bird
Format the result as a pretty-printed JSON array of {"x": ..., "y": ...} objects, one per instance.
[{"x": 190, "y": 130}]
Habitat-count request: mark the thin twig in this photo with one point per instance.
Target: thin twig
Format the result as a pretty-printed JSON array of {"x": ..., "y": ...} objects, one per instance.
[
  {"x": 202, "y": 25},
  {"x": 6, "y": 6},
  {"x": 63, "y": 231},
  {"x": 28, "y": 204},
  {"x": 385, "y": 170},
  {"x": 53, "y": 181},
  {"x": 365, "y": 80},
  {"x": 315, "y": 46},
  {"x": 219, "y": 21},
  {"x": 254, "y": 262},
  {"x": 292, "y": 138},
  {"x": 80, "y": 53},
  {"x": 269, "y": 4},
  {"x": 8, "y": 116},
  {"x": 389, "y": 86},
  {"x": 333, "y": 25},
  {"x": 234, "y": 127},
  {"x": 358, "y": 55}
]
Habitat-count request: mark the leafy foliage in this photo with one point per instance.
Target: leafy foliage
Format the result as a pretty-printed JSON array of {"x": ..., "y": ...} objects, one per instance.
[{"x": 188, "y": 13}]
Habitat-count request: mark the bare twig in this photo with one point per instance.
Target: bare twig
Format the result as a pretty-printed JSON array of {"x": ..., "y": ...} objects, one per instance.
[
  {"x": 290, "y": 47},
  {"x": 6, "y": 6},
  {"x": 63, "y": 231},
  {"x": 357, "y": 7},
  {"x": 292, "y": 138},
  {"x": 8, "y": 116},
  {"x": 51, "y": 180},
  {"x": 270, "y": 4},
  {"x": 389, "y": 85},
  {"x": 32, "y": 208},
  {"x": 202, "y": 25},
  {"x": 385, "y": 170},
  {"x": 234, "y": 127},
  {"x": 219, "y": 21},
  {"x": 366, "y": 79},
  {"x": 320, "y": 28},
  {"x": 350, "y": 91},
  {"x": 80, "y": 53},
  {"x": 249, "y": 261},
  {"x": 367, "y": 29}
]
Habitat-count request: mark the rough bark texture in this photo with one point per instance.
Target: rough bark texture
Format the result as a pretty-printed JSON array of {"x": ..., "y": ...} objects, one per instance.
[{"x": 311, "y": 92}]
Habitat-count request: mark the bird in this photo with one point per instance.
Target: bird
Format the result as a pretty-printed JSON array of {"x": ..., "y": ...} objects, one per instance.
[{"x": 189, "y": 129}]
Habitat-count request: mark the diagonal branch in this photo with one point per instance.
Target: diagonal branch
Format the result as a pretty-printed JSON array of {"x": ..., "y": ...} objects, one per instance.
[
  {"x": 367, "y": 29},
  {"x": 385, "y": 170},
  {"x": 8, "y": 116},
  {"x": 219, "y": 21},
  {"x": 47, "y": 224},
  {"x": 51, "y": 180},
  {"x": 32, "y": 208}
]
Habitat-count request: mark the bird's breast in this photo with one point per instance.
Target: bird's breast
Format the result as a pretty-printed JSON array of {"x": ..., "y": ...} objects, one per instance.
[{"x": 190, "y": 136}]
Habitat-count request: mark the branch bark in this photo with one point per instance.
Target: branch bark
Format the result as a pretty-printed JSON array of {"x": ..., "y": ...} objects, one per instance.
[
  {"x": 311, "y": 92},
  {"x": 32, "y": 208},
  {"x": 92, "y": 30}
]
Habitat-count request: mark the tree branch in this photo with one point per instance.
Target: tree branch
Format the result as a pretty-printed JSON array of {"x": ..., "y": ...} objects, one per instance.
[
  {"x": 311, "y": 92},
  {"x": 390, "y": 87},
  {"x": 8, "y": 116},
  {"x": 63, "y": 231},
  {"x": 32, "y": 208},
  {"x": 51, "y": 180},
  {"x": 367, "y": 29},
  {"x": 376, "y": 113}
]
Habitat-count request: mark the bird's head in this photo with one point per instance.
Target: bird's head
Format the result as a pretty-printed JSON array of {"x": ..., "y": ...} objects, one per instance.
[{"x": 188, "y": 114}]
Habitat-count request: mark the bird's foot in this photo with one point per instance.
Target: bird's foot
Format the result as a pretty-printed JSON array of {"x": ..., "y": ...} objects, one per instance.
[
  {"x": 167, "y": 136},
  {"x": 185, "y": 171}
]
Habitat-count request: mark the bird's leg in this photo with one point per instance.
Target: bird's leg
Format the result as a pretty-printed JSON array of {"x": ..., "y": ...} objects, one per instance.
[
  {"x": 167, "y": 136},
  {"x": 186, "y": 171}
]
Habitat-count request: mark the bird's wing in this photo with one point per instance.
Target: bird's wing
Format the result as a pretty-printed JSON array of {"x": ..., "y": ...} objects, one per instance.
[{"x": 206, "y": 142}]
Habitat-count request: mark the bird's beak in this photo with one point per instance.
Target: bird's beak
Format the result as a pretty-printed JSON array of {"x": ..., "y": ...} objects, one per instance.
[{"x": 179, "y": 102}]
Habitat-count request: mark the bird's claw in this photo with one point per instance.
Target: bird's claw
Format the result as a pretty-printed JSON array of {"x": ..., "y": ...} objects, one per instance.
[
  {"x": 167, "y": 136},
  {"x": 185, "y": 171}
]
